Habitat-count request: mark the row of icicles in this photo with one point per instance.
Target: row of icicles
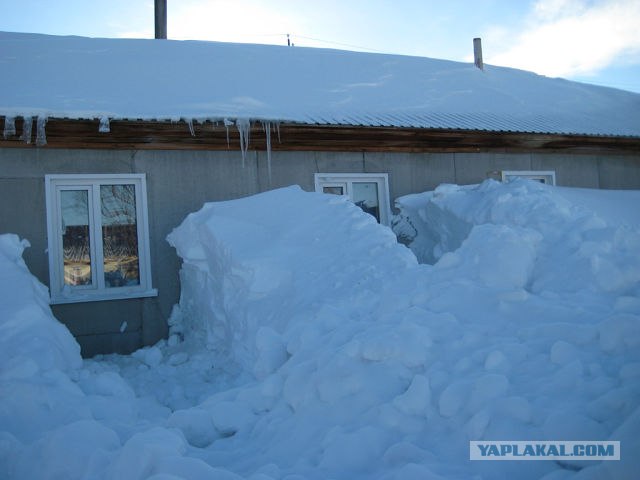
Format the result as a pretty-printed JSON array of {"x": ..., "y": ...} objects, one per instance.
[
  {"x": 27, "y": 129},
  {"x": 243, "y": 126}
]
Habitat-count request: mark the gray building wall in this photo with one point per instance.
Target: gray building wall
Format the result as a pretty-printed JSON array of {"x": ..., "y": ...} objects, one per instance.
[{"x": 180, "y": 182}]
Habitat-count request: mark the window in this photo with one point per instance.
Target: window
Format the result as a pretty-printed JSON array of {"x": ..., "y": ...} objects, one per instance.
[
  {"x": 98, "y": 237},
  {"x": 370, "y": 191},
  {"x": 542, "y": 176}
]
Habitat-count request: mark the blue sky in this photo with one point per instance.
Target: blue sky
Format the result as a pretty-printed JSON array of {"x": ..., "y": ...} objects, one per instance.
[{"x": 596, "y": 41}]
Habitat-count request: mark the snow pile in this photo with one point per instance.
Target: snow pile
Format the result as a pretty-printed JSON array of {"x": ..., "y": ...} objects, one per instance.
[
  {"x": 368, "y": 365},
  {"x": 33, "y": 340},
  {"x": 36, "y": 354},
  {"x": 528, "y": 235},
  {"x": 60, "y": 418},
  {"x": 309, "y": 344},
  {"x": 256, "y": 267}
]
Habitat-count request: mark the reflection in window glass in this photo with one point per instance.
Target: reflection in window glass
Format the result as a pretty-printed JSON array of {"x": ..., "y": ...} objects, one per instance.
[
  {"x": 75, "y": 237},
  {"x": 119, "y": 235},
  {"x": 333, "y": 190},
  {"x": 365, "y": 195}
]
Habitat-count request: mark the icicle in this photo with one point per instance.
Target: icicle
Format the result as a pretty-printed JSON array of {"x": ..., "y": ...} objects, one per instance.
[
  {"x": 227, "y": 124},
  {"x": 244, "y": 127},
  {"x": 266, "y": 126},
  {"x": 278, "y": 130},
  {"x": 41, "y": 135},
  {"x": 27, "y": 126},
  {"x": 190, "y": 124},
  {"x": 9, "y": 127},
  {"x": 104, "y": 126}
]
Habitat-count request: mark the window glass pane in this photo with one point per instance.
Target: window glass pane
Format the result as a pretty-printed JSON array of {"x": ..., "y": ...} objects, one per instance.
[
  {"x": 76, "y": 246},
  {"x": 365, "y": 195},
  {"x": 119, "y": 235},
  {"x": 335, "y": 190}
]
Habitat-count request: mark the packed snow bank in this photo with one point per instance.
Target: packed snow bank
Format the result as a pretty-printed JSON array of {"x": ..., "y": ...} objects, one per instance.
[
  {"x": 529, "y": 235},
  {"x": 36, "y": 354},
  {"x": 254, "y": 268},
  {"x": 32, "y": 339}
]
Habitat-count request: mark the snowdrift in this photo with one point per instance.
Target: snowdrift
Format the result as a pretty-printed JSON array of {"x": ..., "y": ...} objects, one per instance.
[
  {"x": 309, "y": 344},
  {"x": 33, "y": 340},
  {"x": 36, "y": 355},
  {"x": 257, "y": 267},
  {"x": 530, "y": 235}
]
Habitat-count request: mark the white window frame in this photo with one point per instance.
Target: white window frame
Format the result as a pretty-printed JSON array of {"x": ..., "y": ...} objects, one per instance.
[
  {"x": 97, "y": 291},
  {"x": 549, "y": 176},
  {"x": 346, "y": 180}
]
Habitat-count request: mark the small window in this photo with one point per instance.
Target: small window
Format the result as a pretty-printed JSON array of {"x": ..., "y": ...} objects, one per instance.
[
  {"x": 98, "y": 237},
  {"x": 370, "y": 191},
  {"x": 543, "y": 176}
]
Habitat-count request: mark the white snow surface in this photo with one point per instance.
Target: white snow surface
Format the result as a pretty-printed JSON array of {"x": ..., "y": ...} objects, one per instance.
[
  {"x": 33, "y": 340},
  {"x": 75, "y": 77},
  {"x": 309, "y": 344}
]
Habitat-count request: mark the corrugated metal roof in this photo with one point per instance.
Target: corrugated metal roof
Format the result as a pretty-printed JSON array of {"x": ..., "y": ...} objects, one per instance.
[
  {"x": 478, "y": 121},
  {"x": 77, "y": 77}
]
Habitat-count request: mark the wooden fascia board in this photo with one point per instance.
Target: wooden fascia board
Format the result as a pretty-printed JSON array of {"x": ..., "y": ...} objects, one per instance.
[{"x": 139, "y": 134}]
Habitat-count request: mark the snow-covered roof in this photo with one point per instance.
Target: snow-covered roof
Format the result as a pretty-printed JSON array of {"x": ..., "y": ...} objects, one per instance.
[{"x": 77, "y": 77}]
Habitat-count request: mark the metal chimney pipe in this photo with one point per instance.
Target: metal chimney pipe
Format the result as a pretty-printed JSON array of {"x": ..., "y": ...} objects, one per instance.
[
  {"x": 161, "y": 18},
  {"x": 477, "y": 53}
]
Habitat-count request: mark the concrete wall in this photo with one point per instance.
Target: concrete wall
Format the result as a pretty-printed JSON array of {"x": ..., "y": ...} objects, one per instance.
[{"x": 180, "y": 182}]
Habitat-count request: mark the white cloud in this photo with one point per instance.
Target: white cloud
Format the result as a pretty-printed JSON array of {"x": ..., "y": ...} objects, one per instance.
[
  {"x": 216, "y": 20},
  {"x": 570, "y": 37},
  {"x": 229, "y": 20},
  {"x": 552, "y": 9}
]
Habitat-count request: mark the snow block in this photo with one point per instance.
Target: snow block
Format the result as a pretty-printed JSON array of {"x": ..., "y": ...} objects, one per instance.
[{"x": 251, "y": 265}]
